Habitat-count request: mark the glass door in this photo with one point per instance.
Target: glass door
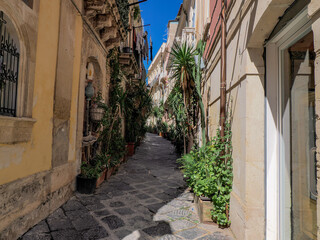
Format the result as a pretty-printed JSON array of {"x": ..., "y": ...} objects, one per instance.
[{"x": 298, "y": 218}]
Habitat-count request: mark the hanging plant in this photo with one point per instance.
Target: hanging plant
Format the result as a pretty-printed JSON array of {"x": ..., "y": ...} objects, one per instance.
[
  {"x": 123, "y": 8},
  {"x": 136, "y": 12}
]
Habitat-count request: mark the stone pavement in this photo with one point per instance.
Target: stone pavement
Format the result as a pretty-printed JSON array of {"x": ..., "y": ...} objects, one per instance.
[{"x": 146, "y": 199}]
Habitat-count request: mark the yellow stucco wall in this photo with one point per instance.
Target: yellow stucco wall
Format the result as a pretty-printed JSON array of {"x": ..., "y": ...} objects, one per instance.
[
  {"x": 24, "y": 159},
  {"x": 75, "y": 89}
]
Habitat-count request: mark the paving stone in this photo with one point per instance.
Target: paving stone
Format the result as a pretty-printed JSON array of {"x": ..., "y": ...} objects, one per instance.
[
  {"x": 36, "y": 236},
  {"x": 57, "y": 214},
  {"x": 84, "y": 223},
  {"x": 124, "y": 211},
  {"x": 74, "y": 215},
  {"x": 134, "y": 192},
  {"x": 102, "y": 213},
  {"x": 103, "y": 196},
  {"x": 143, "y": 196},
  {"x": 141, "y": 186},
  {"x": 116, "y": 204},
  {"x": 180, "y": 213},
  {"x": 95, "y": 207},
  {"x": 155, "y": 207},
  {"x": 116, "y": 193},
  {"x": 69, "y": 234},
  {"x": 113, "y": 222},
  {"x": 192, "y": 233},
  {"x": 163, "y": 196},
  {"x": 59, "y": 223},
  {"x": 169, "y": 237},
  {"x": 147, "y": 199},
  {"x": 162, "y": 228},
  {"x": 150, "y": 190},
  {"x": 181, "y": 204},
  {"x": 94, "y": 233},
  {"x": 73, "y": 205},
  {"x": 88, "y": 199},
  {"x": 166, "y": 209},
  {"x": 151, "y": 200},
  {"x": 179, "y": 225},
  {"x": 139, "y": 222},
  {"x": 122, "y": 233},
  {"x": 41, "y": 227}
]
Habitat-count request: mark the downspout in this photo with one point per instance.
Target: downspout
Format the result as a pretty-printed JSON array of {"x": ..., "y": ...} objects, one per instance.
[
  {"x": 223, "y": 70},
  {"x": 223, "y": 81}
]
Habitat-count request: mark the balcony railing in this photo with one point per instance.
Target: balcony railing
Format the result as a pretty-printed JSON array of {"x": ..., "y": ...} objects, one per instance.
[{"x": 189, "y": 36}]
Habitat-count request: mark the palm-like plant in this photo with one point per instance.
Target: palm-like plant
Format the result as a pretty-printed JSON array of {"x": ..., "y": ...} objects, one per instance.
[
  {"x": 182, "y": 66},
  {"x": 197, "y": 75},
  {"x": 188, "y": 75}
]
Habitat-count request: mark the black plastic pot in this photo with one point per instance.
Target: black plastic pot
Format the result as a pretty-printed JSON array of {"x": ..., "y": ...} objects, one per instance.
[
  {"x": 86, "y": 185},
  {"x": 127, "y": 50}
]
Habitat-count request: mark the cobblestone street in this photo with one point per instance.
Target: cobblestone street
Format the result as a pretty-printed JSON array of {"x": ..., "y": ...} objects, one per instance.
[{"x": 146, "y": 199}]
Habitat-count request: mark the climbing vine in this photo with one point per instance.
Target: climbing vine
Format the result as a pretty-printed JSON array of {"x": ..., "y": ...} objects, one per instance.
[
  {"x": 112, "y": 142},
  {"x": 123, "y": 9}
]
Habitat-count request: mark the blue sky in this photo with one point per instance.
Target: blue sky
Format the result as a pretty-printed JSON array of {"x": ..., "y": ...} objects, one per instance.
[{"x": 158, "y": 13}]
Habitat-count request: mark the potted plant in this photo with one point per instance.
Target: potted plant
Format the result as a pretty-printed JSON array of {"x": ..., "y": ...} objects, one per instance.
[
  {"x": 97, "y": 111},
  {"x": 87, "y": 179},
  {"x": 126, "y": 49},
  {"x": 103, "y": 159}
]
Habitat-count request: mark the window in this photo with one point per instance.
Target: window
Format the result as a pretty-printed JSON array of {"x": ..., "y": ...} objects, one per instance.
[{"x": 9, "y": 67}]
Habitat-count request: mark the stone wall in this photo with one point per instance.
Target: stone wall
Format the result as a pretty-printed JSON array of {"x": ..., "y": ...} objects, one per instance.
[
  {"x": 249, "y": 24},
  {"x": 37, "y": 172}
]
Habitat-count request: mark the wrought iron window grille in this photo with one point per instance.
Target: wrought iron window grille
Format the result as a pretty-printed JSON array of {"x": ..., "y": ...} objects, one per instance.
[{"x": 9, "y": 71}]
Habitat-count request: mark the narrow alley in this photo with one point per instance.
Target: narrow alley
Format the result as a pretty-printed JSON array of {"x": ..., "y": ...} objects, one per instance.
[{"x": 146, "y": 199}]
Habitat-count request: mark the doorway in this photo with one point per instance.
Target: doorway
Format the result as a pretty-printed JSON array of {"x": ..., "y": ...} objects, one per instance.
[{"x": 290, "y": 129}]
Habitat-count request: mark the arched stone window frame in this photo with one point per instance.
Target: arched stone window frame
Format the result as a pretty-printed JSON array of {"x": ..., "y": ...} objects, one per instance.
[{"x": 19, "y": 128}]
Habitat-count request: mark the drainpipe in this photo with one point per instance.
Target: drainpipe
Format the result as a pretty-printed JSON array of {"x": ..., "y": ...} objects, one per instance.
[
  {"x": 223, "y": 79},
  {"x": 223, "y": 69}
]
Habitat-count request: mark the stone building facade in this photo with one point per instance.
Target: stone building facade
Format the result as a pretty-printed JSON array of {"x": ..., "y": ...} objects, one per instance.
[
  {"x": 272, "y": 98},
  {"x": 42, "y": 99}
]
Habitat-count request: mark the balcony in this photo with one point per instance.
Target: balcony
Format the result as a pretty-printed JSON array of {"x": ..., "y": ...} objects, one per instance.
[
  {"x": 130, "y": 61},
  {"x": 189, "y": 36},
  {"x": 105, "y": 21}
]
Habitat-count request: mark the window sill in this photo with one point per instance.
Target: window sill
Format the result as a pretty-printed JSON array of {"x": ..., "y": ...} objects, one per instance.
[{"x": 15, "y": 130}]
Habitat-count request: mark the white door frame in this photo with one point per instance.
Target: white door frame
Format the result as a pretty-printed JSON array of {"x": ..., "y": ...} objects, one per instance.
[{"x": 274, "y": 151}]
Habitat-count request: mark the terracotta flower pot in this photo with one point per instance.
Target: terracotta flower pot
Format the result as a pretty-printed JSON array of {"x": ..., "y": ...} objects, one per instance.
[
  {"x": 130, "y": 149},
  {"x": 109, "y": 173},
  {"x": 101, "y": 179}
]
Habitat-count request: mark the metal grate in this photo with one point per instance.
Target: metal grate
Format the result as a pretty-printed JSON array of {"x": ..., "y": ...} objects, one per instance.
[{"x": 9, "y": 71}]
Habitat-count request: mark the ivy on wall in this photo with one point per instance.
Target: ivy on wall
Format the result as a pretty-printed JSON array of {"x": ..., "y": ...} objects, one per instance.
[{"x": 123, "y": 9}]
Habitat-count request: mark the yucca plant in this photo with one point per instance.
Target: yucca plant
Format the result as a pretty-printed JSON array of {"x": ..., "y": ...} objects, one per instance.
[{"x": 185, "y": 72}]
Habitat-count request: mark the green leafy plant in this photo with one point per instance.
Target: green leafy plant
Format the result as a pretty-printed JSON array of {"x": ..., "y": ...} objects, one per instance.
[
  {"x": 208, "y": 171},
  {"x": 123, "y": 8},
  {"x": 137, "y": 110},
  {"x": 112, "y": 143},
  {"x": 90, "y": 171},
  {"x": 136, "y": 12},
  {"x": 224, "y": 174}
]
